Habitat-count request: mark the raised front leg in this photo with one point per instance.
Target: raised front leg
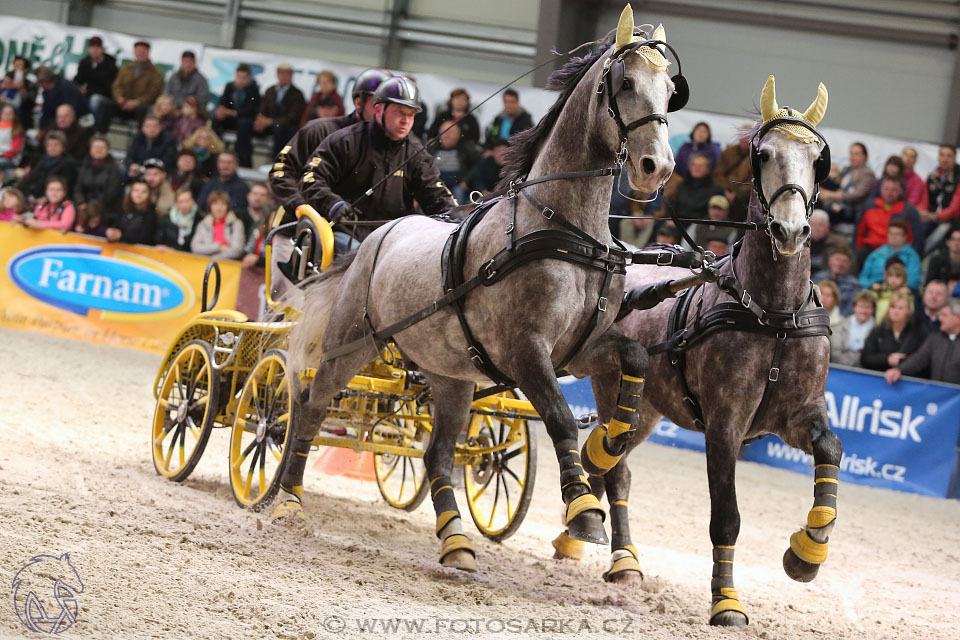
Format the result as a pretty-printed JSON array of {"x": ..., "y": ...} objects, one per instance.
[
  {"x": 452, "y": 400},
  {"x": 808, "y": 546},
  {"x": 722, "y": 445}
]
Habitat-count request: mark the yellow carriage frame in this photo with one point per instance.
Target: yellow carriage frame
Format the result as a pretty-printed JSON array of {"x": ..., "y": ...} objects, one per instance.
[{"x": 224, "y": 370}]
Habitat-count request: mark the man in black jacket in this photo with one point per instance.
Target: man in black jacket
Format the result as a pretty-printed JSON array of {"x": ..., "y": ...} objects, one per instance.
[
  {"x": 513, "y": 119},
  {"x": 354, "y": 160},
  {"x": 237, "y": 110},
  {"x": 288, "y": 165},
  {"x": 281, "y": 109},
  {"x": 150, "y": 142},
  {"x": 939, "y": 356},
  {"x": 95, "y": 76}
]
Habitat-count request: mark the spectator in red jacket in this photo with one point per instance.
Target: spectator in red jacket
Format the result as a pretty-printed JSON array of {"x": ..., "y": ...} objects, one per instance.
[
  {"x": 916, "y": 187},
  {"x": 53, "y": 211},
  {"x": 872, "y": 230}
]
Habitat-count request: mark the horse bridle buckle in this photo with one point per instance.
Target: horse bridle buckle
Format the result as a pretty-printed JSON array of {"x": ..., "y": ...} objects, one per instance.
[
  {"x": 774, "y": 374},
  {"x": 746, "y": 299},
  {"x": 545, "y": 215},
  {"x": 602, "y": 303},
  {"x": 662, "y": 263}
]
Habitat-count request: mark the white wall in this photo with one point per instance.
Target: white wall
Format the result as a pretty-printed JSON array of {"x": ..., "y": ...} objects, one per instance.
[{"x": 890, "y": 89}]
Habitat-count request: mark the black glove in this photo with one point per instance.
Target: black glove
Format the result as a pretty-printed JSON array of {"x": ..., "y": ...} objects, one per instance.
[{"x": 341, "y": 211}]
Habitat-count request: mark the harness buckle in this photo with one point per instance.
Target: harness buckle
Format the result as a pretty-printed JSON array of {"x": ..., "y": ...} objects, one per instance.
[
  {"x": 774, "y": 374},
  {"x": 475, "y": 355},
  {"x": 602, "y": 303},
  {"x": 746, "y": 299},
  {"x": 544, "y": 213},
  {"x": 662, "y": 263},
  {"x": 781, "y": 335},
  {"x": 509, "y": 229},
  {"x": 611, "y": 113},
  {"x": 488, "y": 274}
]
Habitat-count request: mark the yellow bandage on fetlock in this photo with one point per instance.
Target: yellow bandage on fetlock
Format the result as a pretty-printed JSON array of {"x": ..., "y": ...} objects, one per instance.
[
  {"x": 288, "y": 509},
  {"x": 454, "y": 542},
  {"x": 626, "y": 563},
  {"x": 821, "y": 516},
  {"x": 617, "y": 427},
  {"x": 586, "y": 502},
  {"x": 730, "y": 602},
  {"x": 632, "y": 378},
  {"x": 808, "y": 549},
  {"x": 567, "y": 546},
  {"x": 444, "y": 518},
  {"x": 595, "y": 451}
]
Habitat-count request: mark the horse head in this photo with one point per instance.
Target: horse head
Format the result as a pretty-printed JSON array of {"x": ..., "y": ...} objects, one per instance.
[
  {"x": 637, "y": 93},
  {"x": 45, "y": 591},
  {"x": 789, "y": 158}
]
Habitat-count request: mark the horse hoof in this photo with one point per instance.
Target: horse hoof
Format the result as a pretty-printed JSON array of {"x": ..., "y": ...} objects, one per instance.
[
  {"x": 460, "y": 559},
  {"x": 624, "y": 577},
  {"x": 588, "y": 527},
  {"x": 288, "y": 511},
  {"x": 729, "y": 619},
  {"x": 797, "y": 569}
]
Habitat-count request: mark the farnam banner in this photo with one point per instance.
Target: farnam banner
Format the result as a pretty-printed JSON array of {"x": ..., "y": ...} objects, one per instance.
[
  {"x": 82, "y": 287},
  {"x": 902, "y": 437}
]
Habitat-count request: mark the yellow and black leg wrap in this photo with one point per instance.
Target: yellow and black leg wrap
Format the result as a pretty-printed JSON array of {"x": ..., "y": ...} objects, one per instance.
[
  {"x": 725, "y": 596},
  {"x": 605, "y": 445},
  {"x": 291, "y": 484},
  {"x": 449, "y": 526},
  {"x": 810, "y": 544},
  {"x": 567, "y": 547},
  {"x": 624, "y": 559},
  {"x": 597, "y": 456}
]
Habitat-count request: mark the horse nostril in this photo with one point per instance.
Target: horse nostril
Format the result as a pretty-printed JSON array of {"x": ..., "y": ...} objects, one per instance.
[
  {"x": 777, "y": 230},
  {"x": 648, "y": 165},
  {"x": 805, "y": 232}
]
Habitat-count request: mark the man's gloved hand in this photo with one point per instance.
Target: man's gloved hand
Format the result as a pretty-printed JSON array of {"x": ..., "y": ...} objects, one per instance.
[{"x": 341, "y": 211}]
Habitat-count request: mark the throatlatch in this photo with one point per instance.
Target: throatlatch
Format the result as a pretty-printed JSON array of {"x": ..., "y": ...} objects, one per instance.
[{"x": 607, "y": 443}]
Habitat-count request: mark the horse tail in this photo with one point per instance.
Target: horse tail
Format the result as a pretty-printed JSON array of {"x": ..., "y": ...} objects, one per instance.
[{"x": 316, "y": 298}]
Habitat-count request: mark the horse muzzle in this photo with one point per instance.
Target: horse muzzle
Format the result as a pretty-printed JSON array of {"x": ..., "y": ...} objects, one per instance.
[{"x": 789, "y": 237}]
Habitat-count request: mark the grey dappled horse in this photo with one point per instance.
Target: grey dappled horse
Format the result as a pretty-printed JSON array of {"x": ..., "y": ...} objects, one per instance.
[
  {"x": 530, "y": 320},
  {"x": 729, "y": 370}
]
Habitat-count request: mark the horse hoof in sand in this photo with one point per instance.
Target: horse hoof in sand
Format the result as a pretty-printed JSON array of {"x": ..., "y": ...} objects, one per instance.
[
  {"x": 588, "y": 527},
  {"x": 286, "y": 512},
  {"x": 460, "y": 559},
  {"x": 729, "y": 619},
  {"x": 797, "y": 569},
  {"x": 626, "y": 577},
  {"x": 566, "y": 548}
]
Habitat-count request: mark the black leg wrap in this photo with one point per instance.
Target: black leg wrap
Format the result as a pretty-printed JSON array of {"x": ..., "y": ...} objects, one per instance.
[
  {"x": 573, "y": 478},
  {"x": 293, "y": 475},
  {"x": 722, "y": 572},
  {"x": 441, "y": 489},
  {"x": 619, "y": 524}
]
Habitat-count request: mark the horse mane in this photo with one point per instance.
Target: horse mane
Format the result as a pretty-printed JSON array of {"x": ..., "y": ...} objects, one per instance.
[{"x": 520, "y": 155}]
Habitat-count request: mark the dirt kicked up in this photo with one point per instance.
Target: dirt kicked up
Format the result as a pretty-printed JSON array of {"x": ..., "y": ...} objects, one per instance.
[{"x": 162, "y": 560}]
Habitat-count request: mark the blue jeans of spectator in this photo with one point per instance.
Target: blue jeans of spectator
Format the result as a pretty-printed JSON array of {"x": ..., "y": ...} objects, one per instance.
[
  {"x": 453, "y": 182},
  {"x": 97, "y": 104},
  {"x": 343, "y": 243}
]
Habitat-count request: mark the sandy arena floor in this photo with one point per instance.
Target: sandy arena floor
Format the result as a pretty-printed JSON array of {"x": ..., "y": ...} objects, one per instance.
[{"x": 166, "y": 560}]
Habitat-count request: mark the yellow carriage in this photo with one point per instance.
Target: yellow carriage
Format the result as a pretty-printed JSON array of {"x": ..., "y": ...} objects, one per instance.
[{"x": 227, "y": 371}]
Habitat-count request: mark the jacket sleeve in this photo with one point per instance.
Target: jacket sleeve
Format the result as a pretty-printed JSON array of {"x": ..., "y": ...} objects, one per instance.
[
  {"x": 429, "y": 190},
  {"x": 154, "y": 89},
  {"x": 862, "y": 230},
  {"x": 872, "y": 357},
  {"x": 952, "y": 211},
  {"x": 119, "y": 83},
  {"x": 202, "y": 241},
  {"x": 911, "y": 261},
  {"x": 67, "y": 217},
  {"x": 295, "y": 108},
  {"x": 868, "y": 275},
  {"x": 323, "y": 171},
  {"x": 224, "y": 100},
  {"x": 203, "y": 91},
  {"x": 918, "y": 362},
  {"x": 861, "y": 187}
]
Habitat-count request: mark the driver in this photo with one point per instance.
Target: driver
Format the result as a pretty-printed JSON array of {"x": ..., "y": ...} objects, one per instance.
[{"x": 353, "y": 160}]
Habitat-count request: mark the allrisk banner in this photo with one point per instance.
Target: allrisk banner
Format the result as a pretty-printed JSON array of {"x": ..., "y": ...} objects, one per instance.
[
  {"x": 84, "y": 288},
  {"x": 902, "y": 436}
]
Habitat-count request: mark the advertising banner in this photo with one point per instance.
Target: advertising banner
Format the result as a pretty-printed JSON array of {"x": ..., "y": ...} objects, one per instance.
[
  {"x": 81, "y": 287},
  {"x": 902, "y": 437}
]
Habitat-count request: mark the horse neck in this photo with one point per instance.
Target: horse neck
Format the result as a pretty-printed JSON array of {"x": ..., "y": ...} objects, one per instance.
[
  {"x": 575, "y": 144},
  {"x": 775, "y": 283}
]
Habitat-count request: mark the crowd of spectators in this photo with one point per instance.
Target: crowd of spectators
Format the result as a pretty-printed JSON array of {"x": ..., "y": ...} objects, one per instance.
[{"x": 884, "y": 250}]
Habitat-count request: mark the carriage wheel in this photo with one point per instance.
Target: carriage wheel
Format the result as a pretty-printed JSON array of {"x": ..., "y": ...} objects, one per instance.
[
  {"x": 186, "y": 410},
  {"x": 261, "y": 431},
  {"x": 402, "y": 480},
  {"x": 499, "y": 485}
]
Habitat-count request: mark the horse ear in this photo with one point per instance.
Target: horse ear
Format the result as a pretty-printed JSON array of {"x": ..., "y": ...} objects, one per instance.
[
  {"x": 659, "y": 34},
  {"x": 768, "y": 100},
  {"x": 814, "y": 113},
  {"x": 625, "y": 28}
]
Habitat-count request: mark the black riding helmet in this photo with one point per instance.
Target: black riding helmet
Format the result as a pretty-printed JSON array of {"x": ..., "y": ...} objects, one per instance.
[
  {"x": 368, "y": 81},
  {"x": 398, "y": 90}
]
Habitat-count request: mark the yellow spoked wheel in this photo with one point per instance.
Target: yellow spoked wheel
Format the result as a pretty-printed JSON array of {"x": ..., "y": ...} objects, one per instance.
[
  {"x": 499, "y": 484},
  {"x": 261, "y": 430},
  {"x": 402, "y": 480},
  {"x": 186, "y": 409}
]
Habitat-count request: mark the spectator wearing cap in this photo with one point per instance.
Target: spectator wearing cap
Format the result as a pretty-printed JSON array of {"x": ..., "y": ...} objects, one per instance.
[
  {"x": 137, "y": 86},
  {"x": 733, "y": 174},
  {"x": 325, "y": 101},
  {"x": 838, "y": 269},
  {"x": 281, "y": 109},
  {"x": 872, "y": 230},
  {"x": 237, "y": 110},
  {"x": 78, "y": 138},
  {"x": 137, "y": 222},
  {"x": 486, "y": 174},
  {"x": 100, "y": 178},
  {"x": 57, "y": 90},
  {"x": 915, "y": 186},
  {"x": 150, "y": 142},
  {"x": 938, "y": 358},
  {"x": 456, "y": 158},
  {"x": 95, "y": 76},
  {"x": 822, "y": 240},
  {"x": 227, "y": 181},
  {"x": 700, "y": 143},
  {"x": 54, "y": 162},
  {"x": 856, "y": 181},
  {"x": 513, "y": 119},
  {"x": 161, "y": 193},
  {"x": 188, "y": 82},
  {"x": 186, "y": 174},
  {"x": 689, "y": 196},
  {"x": 896, "y": 246},
  {"x": 718, "y": 210},
  {"x": 458, "y": 110}
]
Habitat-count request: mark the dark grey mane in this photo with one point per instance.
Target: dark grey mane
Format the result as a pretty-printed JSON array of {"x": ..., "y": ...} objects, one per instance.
[{"x": 518, "y": 159}]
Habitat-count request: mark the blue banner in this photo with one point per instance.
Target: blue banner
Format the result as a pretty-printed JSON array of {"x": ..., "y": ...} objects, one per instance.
[{"x": 902, "y": 437}]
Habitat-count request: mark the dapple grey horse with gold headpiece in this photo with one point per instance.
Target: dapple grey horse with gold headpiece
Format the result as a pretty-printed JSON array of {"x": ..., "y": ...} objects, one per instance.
[
  {"x": 529, "y": 317},
  {"x": 737, "y": 358}
]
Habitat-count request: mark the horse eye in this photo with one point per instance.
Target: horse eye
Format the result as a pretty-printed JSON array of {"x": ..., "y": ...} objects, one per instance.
[{"x": 627, "y": 85}]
